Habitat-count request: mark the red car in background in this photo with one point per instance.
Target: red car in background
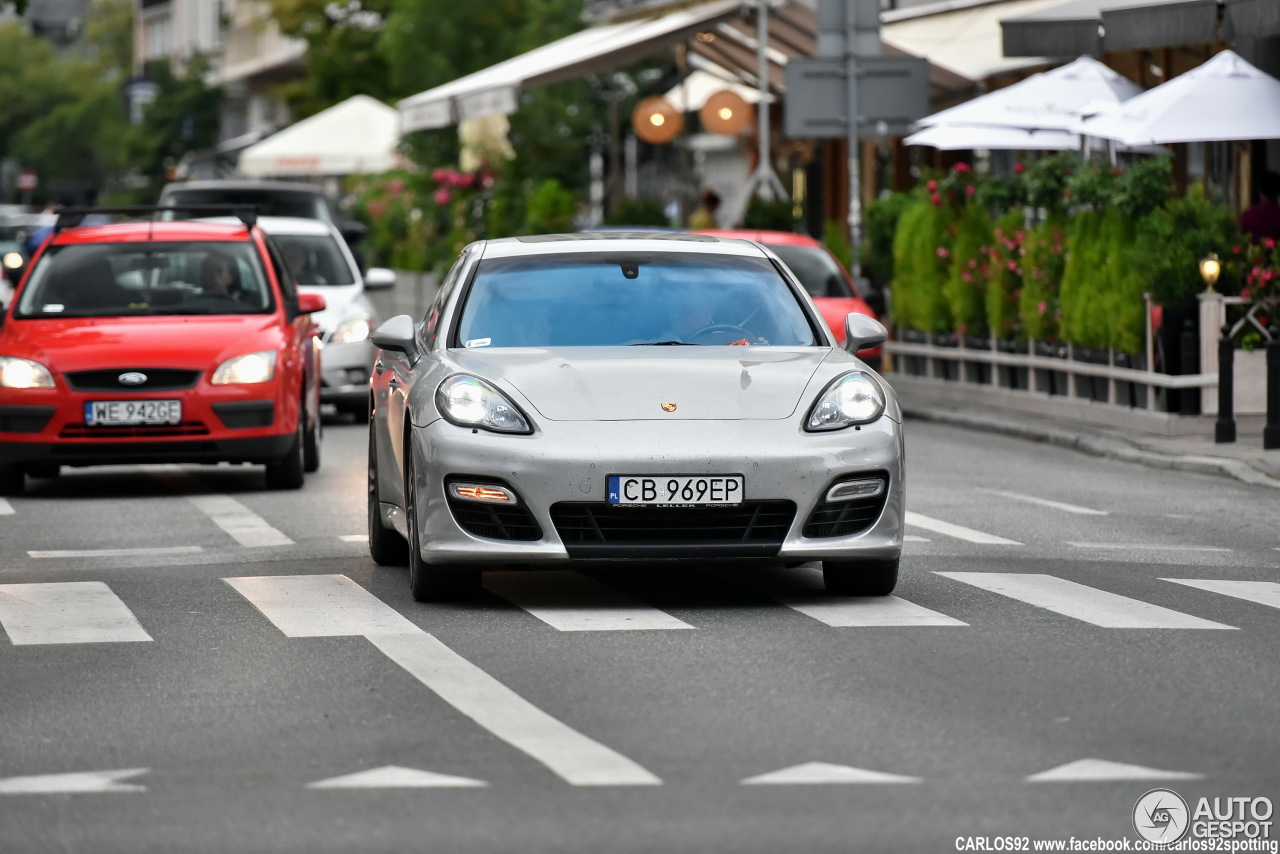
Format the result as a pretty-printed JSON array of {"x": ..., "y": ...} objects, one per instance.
[
  {"x": 158, "y": 342},
  {"x": 821, "y": 274}
]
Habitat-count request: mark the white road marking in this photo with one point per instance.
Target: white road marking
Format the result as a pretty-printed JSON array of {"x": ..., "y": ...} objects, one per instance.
[
  {"x": 396, "y": 777},
  {"x": 1139, "y": 547},
  {"x": 824, "y": 773},
  {"x": 572, "y": 602},
  {"x": 912, "y": 538},
  {"x": 1098, "y": 770},
  {"x": 247, "y": 527},
  {"x": 1262, "y": 592},
  {"x": 73, "y": 783},
  {"x": 333, "y": 605},
  {"x": 865, "y": 611},
  {"x": 1044, "y": 502},
  {"x": 66, "y": 612},
  {"x": 1080, "y": 602},
  {"x": 958, "y": 531},
  {"x": 139, "y": 552},
  {"x": 354, "y": 538},
  {"x": 6, "y": 509}
]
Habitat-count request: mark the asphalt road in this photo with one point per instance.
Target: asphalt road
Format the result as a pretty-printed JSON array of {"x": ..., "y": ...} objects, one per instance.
[{"x": 196, "y": 664}]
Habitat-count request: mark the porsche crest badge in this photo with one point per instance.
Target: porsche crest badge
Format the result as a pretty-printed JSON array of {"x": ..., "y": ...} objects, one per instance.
[{"x": 668, "y": 407}]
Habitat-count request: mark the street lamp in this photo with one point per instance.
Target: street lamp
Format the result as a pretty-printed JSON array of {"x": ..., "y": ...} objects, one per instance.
[{"x": 1210, "y": 269}]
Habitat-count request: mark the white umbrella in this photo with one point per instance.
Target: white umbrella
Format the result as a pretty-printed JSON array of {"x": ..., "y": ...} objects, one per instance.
[
  {"x": 1051, "y": 100},
  {"x": 957, "y": 137},
  {"x": 1224, "y": 99},
  {"x": 357, "y": 136}
]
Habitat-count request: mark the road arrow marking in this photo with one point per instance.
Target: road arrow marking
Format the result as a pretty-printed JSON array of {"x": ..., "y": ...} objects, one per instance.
[
  {"x": 1080, "y": 602},
  {"x": 573, "y": 602},
  {"x": 66, "y": 612},
  {"x": 1101, "y": 770},
  {"x": 1262, "y": 592},
  {"x": 1044, "y": 502},
  {"x": 824, "y": 773},
  {"x": 396, "y": 777},
  {"x": 74, "y": 783},
  {"x": 958, "y": 531},
  {"x": 334, "y": 605}
]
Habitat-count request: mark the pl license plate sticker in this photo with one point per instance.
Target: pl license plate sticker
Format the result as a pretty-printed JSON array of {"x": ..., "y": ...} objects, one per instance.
[
  {"x": 115, "y": 413},
  {"x": 670, "y": 490}
]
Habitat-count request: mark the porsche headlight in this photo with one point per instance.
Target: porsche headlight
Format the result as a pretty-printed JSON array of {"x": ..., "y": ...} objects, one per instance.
[
  {"x": 470, "y": 402},
  {"x": 250, "y": 368},
  {"x": 23, "y": 373},
  {"x": 353, "y": 329},
  {"x": 854, "y": 398}
]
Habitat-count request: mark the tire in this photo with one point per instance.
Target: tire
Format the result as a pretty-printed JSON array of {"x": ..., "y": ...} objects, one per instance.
[
  {"x": 311, "y": 445},
  {"x": 427, "y": 581},
  {"x": 860, "y": 578},
  {"x": 386, "y": 547},
  {"x": 288, "y": 471},
  {"x": 12, "y": 480}
]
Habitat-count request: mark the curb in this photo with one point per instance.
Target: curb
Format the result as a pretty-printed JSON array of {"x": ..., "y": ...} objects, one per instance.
[{"x": 1095, "y": 445}]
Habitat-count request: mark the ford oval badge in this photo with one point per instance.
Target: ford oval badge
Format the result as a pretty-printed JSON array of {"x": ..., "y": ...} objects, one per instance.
[{"x": 132, "y": 378}]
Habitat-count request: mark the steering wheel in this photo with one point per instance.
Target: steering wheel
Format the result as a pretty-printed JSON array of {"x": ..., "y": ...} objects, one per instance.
[{"x": 737, "y": 332}]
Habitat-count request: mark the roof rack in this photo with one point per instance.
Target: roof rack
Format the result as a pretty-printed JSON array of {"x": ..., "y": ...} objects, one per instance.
[{"x": 70, "y": 217}]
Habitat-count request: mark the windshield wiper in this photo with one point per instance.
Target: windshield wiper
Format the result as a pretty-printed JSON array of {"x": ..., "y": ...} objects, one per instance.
[{"x": 663, "y": 344}]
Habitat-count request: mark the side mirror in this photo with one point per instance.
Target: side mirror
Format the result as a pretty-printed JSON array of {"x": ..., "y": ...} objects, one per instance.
[
  {"x": 396, "y": 334},
  {"x": 379, "y": 278},
  {"x": 310, "y": 303},
  {"x": 861, "y": 332},
  {"x": 354, "y": 232}
]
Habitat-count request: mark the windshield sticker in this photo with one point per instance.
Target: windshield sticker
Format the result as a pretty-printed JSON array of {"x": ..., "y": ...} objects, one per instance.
[{"x": 479, "y": 342}]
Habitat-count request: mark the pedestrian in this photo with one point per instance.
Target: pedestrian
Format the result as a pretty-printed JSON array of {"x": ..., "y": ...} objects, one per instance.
[
  {"x": 704, "y": 216},
  {"x": 1263, "y": 219}
]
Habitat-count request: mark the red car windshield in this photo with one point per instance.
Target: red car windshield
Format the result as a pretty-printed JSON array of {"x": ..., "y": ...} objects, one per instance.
[
  {"x": 119, "y": 279},
  {"x": 815, "y": 269}
]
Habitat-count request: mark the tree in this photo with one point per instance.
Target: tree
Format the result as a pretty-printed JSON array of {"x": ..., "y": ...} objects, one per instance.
[
  {"x": 182, "y": 118},
  {"x": 342, "y": 51},
  {"x": 32, "y": 82}
]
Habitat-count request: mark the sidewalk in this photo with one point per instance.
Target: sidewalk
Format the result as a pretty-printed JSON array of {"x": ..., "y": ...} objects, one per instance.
[{"x": 1245, "y": 460}]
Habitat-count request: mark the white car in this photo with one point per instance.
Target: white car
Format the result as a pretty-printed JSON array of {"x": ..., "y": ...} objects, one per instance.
[{"x": 321, "y": 263}]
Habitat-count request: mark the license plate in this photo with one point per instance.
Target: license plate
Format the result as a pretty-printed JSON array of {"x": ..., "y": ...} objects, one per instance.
[
  {"x": 115, "y": 413},
  {"x": 696, "y": 490}
]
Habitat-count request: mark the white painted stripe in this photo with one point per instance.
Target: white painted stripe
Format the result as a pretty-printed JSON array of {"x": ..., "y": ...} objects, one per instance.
[
  {"x": 1045, "y": 502},
  {"x": 396, "y": 777},
  {"x": 1262, "y": 592},
  {"x": 1140, "y": 547},
  {"x": 354, "y": 538},
  {"x": 247, "y": 527},
  {"x": 824, "y": 773},
  {"x": 73, "y": 783},
  {"x": 141, "y": 552},
  {"x": 1100, "y": 770},
  {"x": 329, "y": 605},
  {"x": 912, "y": 538},
  {"x": 573, "y": 602},
  {"x": 66, "y": 612},
  {"x": 864, "y": 611},
  {"x": 6, "y": 509},
  {"x": 957, "y": 531},
  {"x": 1080, "y": 602}
]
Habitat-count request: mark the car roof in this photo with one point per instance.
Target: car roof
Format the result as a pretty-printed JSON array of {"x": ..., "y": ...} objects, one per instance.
[
  {"x": 225, "y": 184},
  {"x": 286, "y": 225},
  {"x": 776, "y": 238},
  {"x": 551, "y": 244},
  {"x": 144, "y": 231}
]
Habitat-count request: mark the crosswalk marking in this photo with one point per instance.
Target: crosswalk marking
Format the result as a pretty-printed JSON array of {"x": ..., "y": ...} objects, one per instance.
[
  {"x": 1097, "y": 770},
  {"x": 354, "y": 538},
  {"x": 1262, "y": 592},
  {"x": 6, "y": 509},
  {"x": 1140, "y": 547},
  {"x": 139, "y": 552},
  {"x": 1080, "y": 602},
  {"x": 573, "y": 602},
  {"x": 824, "y": 773},
  {"x": 77, "y": 782},
  {"x": 396, "y": 777},
  {"x": 66, "y": 612},
  {"x": 329, "y": 605},
  {"x": 865, "y": 612},
  {"x": 958, "y": 531},
  {"x": 247, "y": 527},
  {"x": 1045, "y": 502}
]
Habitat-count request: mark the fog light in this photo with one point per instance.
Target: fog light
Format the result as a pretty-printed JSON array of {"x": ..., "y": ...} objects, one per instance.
[
  {"x": 851, "y": 489},
  {"x": 486, "y": 492}
]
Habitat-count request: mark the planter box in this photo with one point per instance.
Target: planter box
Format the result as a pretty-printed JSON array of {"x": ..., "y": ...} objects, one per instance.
[
  {"x": 977, "y": 372},
  {"x": 1047, "y": 380},
  {"x": 1092, "y": 388},
  {"x": 1132, "y": 394},
  {"x": 946, "y": 368},
  {"x": 1013, "y": 376}
]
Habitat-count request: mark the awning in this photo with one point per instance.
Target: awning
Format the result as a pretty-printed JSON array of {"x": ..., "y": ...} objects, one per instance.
[
  {"x": 1144, "y": 24},
  {"x": 1253, "y": 19},
  {"x": 1066, "y": 29},
  {"x": 357, "y": 136},
  {"x": 607, "y": 47}
]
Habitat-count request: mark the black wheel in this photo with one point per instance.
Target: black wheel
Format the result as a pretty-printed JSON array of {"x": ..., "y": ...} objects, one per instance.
[
  {"x": 427, "y": 581},
  {"x": 860, "y": 578},
  {"x": 386, "y": 547},
  {"x": 287, "y": 472},
  {"x": 311, "y": 444},
  {"x": 12, "y": 480}
]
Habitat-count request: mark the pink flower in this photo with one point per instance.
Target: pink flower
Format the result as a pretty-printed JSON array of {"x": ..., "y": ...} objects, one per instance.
[
  {"x": 961, "y": 168},
  {"x": 1043, "y": 308},
  {"x": 935, "y": 199},
  {"x": 1019, "y": 168},
  {"x": 438, "y": 175},
  {"x": 377, "y": 209},
  {"x": 1270, "y": 243},
  {"x": 396, "y": 187},
  {"x": 1235, "y": 250},
  {"x": 970, "y": 190},
  {"x": 443, "y": 196},
  {"x": 968, "y": 277},
  {"x": 943, "y": 253},
  {"x": 487, "y": 180},
  {"x": 1245, "y": 293},
  {"x": 1013, "y": 265},
  {"x": 932, "y": 186}
]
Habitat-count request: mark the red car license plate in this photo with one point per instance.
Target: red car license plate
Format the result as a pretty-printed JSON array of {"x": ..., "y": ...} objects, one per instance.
[{"x": 115, "y": 413}]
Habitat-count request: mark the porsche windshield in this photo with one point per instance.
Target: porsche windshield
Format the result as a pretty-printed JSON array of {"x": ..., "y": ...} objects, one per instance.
[
  {"x": 114, "y": 279},
  {"x": 632, "y": 298}
]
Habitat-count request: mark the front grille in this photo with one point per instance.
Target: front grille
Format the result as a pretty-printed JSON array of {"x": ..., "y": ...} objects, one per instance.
[
  {"x": 844, "y": 518},
  {"x": 599, "y": 529},
  {"x": 134, "y": 431},
  {"x": 494, "y": 521},
  {"x": 158, "y": 379}
]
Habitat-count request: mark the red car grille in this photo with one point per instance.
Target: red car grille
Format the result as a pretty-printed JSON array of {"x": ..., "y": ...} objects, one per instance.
[{"x": 136, "y": 431}]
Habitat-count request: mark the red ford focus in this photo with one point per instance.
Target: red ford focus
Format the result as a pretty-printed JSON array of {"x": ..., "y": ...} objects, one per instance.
[{"x": 158, "y": 342}]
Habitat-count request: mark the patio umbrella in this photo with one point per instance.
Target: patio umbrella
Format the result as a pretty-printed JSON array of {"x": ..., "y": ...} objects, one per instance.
[
  {"x": 956, "y": 137},
  {"x": 1224, "y": 99},
  {"x": 1051, "y": 100}
]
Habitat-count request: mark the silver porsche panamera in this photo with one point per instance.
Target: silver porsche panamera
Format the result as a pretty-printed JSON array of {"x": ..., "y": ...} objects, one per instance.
[{"x": 629, "y": 397}]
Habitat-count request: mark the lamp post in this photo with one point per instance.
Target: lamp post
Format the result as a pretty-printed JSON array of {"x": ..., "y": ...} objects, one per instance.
[{"x": 1210, "y": 269}]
